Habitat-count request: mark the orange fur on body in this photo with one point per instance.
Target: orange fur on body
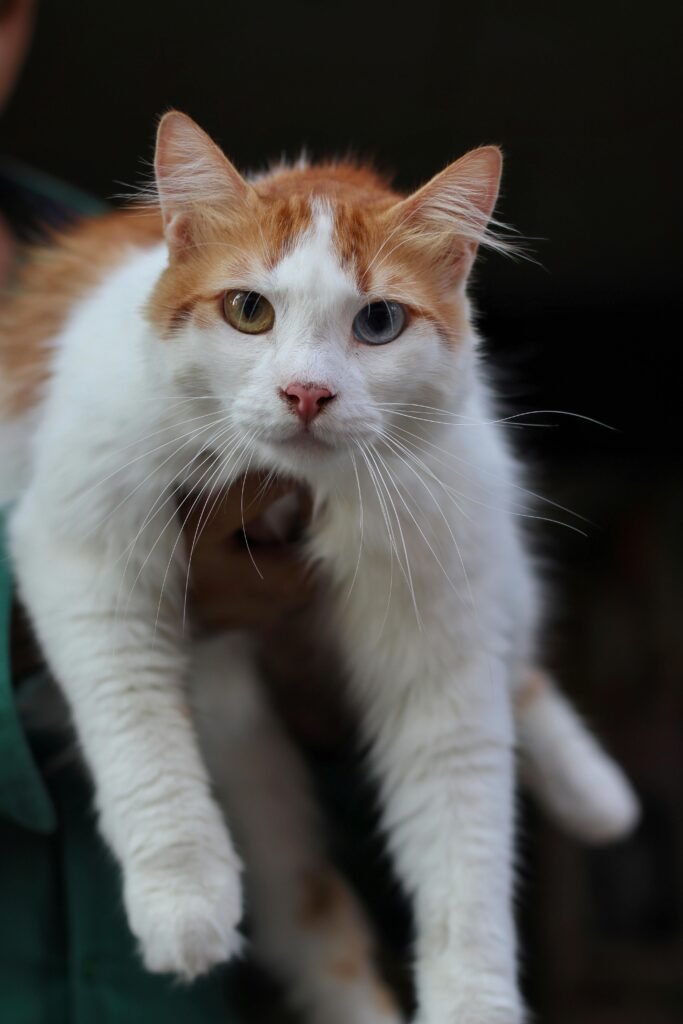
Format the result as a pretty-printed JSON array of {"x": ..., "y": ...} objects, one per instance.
[{"x": 50, "y": 283}]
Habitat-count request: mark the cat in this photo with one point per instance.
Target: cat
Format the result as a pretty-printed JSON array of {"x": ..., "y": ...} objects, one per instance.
[{"x": 315, "y": 323}]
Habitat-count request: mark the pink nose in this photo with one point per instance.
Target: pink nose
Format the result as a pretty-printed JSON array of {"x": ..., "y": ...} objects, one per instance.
[{"x": 307, "y": 400}]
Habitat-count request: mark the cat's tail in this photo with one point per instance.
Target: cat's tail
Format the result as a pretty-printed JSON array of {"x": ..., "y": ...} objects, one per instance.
[{"x": 578, "y": 784}]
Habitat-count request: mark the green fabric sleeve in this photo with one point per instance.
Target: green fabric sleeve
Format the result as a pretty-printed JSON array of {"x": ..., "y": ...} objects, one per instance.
[
  {"x": 66, "y": 953},
  {"x": 23, "y": 797}
]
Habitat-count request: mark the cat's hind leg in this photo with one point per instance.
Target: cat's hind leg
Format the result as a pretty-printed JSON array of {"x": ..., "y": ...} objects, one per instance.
[{"x": 306, "y": 926}]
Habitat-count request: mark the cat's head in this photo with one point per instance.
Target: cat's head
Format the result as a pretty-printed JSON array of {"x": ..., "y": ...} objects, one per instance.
[{"x": 315, "y": 303}]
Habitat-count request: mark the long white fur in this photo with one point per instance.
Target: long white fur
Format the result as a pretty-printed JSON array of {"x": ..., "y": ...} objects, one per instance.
[{"x": 434, "y": 602}]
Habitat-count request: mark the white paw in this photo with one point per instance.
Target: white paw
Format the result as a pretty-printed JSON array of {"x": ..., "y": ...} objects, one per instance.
[{"x": 184, "y": 911}]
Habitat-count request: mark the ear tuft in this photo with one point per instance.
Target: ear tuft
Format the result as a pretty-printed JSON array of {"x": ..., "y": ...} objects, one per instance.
[
  {"x": 191, "y": 173},
  {"x": 457, "y": 204},
  {"x": 477, "y": 175}
]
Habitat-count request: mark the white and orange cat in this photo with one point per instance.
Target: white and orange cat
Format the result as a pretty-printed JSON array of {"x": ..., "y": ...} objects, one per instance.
[{"x": 315, "y": 323}]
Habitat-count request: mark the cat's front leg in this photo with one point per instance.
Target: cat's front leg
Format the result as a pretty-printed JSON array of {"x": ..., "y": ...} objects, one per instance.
[
  {"x": 443, "y": 751},
  {"x": 113, "y": 645}
]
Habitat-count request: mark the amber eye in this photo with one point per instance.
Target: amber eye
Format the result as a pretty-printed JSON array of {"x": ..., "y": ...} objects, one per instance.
[{"x": 248, "y": 312}]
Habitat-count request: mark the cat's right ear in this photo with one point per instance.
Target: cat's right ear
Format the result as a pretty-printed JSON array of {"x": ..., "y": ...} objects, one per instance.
[{"x": 192, "y": 176}]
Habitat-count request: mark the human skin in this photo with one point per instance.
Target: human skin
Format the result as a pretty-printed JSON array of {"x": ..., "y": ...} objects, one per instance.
[
  {"x": 238, "y": 586},
  {"x": 16, "y": 21}
]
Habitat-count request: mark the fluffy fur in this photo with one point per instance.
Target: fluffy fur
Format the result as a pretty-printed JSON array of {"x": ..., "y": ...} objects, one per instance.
[{"x": 121, "y": 381}]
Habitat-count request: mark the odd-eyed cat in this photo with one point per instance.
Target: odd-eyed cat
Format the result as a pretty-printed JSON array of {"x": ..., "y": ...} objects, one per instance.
[{"x": 315, "y": 323}]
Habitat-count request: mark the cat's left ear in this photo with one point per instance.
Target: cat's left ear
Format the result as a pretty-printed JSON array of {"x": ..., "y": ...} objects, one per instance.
[
  {"x": 451, "y": 213},
  {"x": 193, "y": 176}
]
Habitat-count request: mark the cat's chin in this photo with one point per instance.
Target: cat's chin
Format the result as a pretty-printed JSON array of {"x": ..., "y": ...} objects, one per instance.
[
  {"x": 303, "y": 453},
  {"x": 303, "y": 442}
]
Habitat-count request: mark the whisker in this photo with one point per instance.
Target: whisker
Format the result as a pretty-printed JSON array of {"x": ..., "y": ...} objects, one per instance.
[
  {"x": 470, "y": 591},
  {"x": 392, "y": 542},
  {"x": 206, "y": 490},
  {"x": 408, "y": 572},
  {"x": 401, "y": 447},
  {"x": 244, "y": 529},
  {"x": 190, "y": 436},
  {"x": 403, "y": 443},
  {"x": 220, "y": 497},
  {"x": 162, "y": 430},
  {"x": 508, "y": 510},
  {"x": 419, "y": 528},
  {"x": 212, "y": 472},
  {"x": 360, "y": 527},
  {"x": 149, "y": 519},
  {"x": 265, "y": 487},
  {"x": 515, "y": 486},
  {"x": 154, "y": 510},
  {"x": 501, "y": 419}
]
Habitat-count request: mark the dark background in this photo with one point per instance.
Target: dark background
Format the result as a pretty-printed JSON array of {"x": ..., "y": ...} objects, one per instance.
[{"x": 585, "y": 99}]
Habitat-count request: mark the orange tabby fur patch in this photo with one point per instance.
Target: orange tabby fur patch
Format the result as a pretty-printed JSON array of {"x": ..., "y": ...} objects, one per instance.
[
  {"x": 387, "y": 256},
  {"x": 49, "y": 284}
]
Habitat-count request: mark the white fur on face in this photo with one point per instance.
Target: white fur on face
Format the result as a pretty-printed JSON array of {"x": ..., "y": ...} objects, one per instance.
[{"x": 315, "y": 301}]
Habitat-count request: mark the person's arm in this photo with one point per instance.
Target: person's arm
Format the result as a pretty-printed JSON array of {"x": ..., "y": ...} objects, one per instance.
[{"x": 235, "y": 584}]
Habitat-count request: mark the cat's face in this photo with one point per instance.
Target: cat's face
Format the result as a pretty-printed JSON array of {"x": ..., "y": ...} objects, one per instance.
[{"x": 315, "y": 304}]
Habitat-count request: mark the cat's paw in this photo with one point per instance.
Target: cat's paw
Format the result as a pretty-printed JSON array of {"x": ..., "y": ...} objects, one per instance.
[{"x": 185, "y": 917}]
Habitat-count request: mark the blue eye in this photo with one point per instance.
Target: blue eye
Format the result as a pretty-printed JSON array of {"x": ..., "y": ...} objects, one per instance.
[{"x": 379, "y": 322}]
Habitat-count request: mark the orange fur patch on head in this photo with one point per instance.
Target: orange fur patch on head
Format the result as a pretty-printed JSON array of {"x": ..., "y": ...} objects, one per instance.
[
  {"x": 227, "y": 244},
  {"x": 390, "y": 260},
  {"x": 257, "y": 229},
  {"x": 49, "y": 284},
  {"x": 418, "y": 250},
  {"x": 220, "y": 228},
  {"x": 337, "y": 182},
  {"x": 415, "y": 250},
  {"x": 386, "y": 255}
]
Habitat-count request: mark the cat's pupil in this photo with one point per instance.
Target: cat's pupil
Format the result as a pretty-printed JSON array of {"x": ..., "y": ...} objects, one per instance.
[
  {"x": 379, "y": 322},
  {"x": 378, "y": 318},
  {"x": 251, "y": 304}
]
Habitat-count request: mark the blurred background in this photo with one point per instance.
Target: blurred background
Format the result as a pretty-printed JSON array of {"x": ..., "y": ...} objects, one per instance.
[{"x": 585, "y": 99}]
